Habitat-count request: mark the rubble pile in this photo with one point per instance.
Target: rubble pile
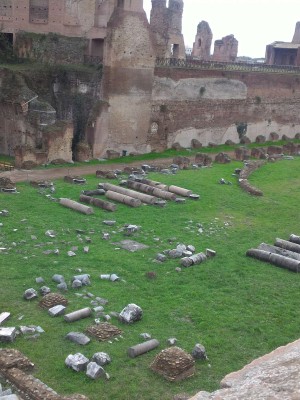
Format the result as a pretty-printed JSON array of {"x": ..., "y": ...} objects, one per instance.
[
  {"x": 53, "y": 299},
  {"x": 103, "y": 331},
  {"x": 174, "y": 364}
]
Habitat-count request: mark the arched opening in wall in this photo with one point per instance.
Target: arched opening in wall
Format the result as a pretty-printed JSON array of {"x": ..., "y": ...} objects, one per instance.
[
  {"x": 199, "y": 42},
  {"x": 121, "y": 3},
  {"x": 175, "y": 50}
]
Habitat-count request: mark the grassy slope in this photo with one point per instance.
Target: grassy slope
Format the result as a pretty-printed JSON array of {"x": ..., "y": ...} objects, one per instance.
[{"x": 238, "y": 308}]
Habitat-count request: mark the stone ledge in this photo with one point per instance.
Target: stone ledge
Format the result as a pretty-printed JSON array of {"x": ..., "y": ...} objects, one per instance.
[{"x": 273, "y": 376}]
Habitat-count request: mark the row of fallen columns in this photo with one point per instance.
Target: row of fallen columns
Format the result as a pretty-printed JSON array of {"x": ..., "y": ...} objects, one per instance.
[
  {"x": 137, "y": 193},
  {"x": 284, "y": 253}
]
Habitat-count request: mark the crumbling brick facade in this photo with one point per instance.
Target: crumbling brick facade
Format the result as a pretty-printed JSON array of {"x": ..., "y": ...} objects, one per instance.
[{"x": 166, "y": 27}]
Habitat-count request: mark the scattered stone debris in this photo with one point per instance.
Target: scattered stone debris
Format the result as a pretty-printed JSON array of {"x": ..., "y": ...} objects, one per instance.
[
  {"x": 94, "y": 371},
  {"x": 101, "y": 358},
  {"x": 4, "y": 213},
  {"x": 131, "y": 313},
  {"x": 57, "y": 310},
  {"x": 58, "y": 278},
  {"x": 62, "y": 286},
  {"x": 161, "y": 257},
  {"x": 75, "y": 179},
  {"x": 103, "y": 331},
  {"x": 174, "y": 364},
  {"x": 4, "y": 317},
  {"x": 53, "y": 299},
  {"x": 131, "y": 245},
  {"x": 30, "y": 294},
  {"x": 45, "y": 290},
  {"x": 8, "y": 334},
  {"x": 50, "y": 233},
  {"x": 130, "y": 229},
  {"x": 78, "y": 362},
  {"x": 78, "y": 337},
  {"x": 199, "y": 352},
  {"x": 7, "y": 185},
  {"x": 172, "y": 341},
  {"x": 109, "y": 222},
  {"x": 145, "y": 336}
]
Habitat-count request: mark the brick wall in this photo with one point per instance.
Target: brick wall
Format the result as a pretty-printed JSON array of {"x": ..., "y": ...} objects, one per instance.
[{"x": 271, "y": 104}]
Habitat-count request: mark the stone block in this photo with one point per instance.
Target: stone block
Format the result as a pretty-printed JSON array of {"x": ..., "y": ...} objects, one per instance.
[
  {"x": 8, "y": 334},
  {"x": 94, "y": 371},
  {"x": 77, "y": 362},
  {"x": 4, "y": 317},
  {"x": 78, "y": 337},
  {"x": 57, "y": 310},
  {"x": 131, "y": 313}
]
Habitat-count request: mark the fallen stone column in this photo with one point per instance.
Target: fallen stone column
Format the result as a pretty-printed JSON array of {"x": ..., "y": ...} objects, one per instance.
[
  {"x": 295, "y": 239},
  {"x": 156, "y": 184},
  {"x": 275, "y": 259},
  {"x": 79, "y": 314},
  {"x": 279, "y": 250},
  {"x": 76, "y": 206},
  {"x": 285, "y": 244},
  {"x": 142, "y": 348},
  {"x": 195, "y": 259},
  {"x": 145, "y": 198},
  {"x": 142, "y": 187},
  {"x": 122, "y": 198},
  {"x": 105, "y": 205},
  {"x": 180, "y": 191}
]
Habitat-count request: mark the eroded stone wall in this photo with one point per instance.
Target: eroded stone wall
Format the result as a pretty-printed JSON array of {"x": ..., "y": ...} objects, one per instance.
[{"x": 210, "y": 105}]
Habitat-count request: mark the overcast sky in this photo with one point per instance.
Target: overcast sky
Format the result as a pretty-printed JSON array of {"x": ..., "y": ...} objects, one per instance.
[{"x": 254, "y": 23}]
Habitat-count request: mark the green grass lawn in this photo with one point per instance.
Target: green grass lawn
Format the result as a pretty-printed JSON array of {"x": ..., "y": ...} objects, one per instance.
[{"x": 237, "y": 307}]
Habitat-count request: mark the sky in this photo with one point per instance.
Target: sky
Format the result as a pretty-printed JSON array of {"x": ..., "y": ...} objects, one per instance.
[{"x": 254, "y": 23}]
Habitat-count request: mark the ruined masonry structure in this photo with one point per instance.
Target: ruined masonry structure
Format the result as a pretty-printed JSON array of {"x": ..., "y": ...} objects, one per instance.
[
  {"x": 285, "y": 53},
  {"x": 145, "y": 94},
  {"x": 203, "y": 40}
]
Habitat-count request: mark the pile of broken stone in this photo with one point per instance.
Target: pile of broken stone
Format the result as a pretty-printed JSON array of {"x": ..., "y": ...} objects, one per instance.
[{"x": 187, "y": 255}]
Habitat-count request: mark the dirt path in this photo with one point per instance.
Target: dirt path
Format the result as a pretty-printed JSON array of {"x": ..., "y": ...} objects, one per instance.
[{"x": 21, "y": 175}]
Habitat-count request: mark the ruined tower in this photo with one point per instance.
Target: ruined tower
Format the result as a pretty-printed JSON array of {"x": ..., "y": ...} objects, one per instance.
[
  {"x": 296, "y": 37},
  {"x": 203, "y": 40},
  {"x": 129, "y": 61},
  {"x": 226, "y": 49},
  {"x": 166, "y": 26}
]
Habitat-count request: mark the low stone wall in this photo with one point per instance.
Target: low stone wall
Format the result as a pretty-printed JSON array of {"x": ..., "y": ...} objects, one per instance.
[{"x": 14, "y": 367}]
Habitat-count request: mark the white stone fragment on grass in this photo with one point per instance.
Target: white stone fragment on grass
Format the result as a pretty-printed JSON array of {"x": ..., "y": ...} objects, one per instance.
[
  {"x": 30, "y": 294},
  {"x": 94, "y": 371},
  {"x": 57, "y": 310},
  {"x": 4, "y": 317},
  {"x": 101, "y": 358},
  {"x": 8, "y": 334},
  {"x": 131, "y": 313},
  {"x": 77, "y": 362},
  {"x": 78, "y": 337}
]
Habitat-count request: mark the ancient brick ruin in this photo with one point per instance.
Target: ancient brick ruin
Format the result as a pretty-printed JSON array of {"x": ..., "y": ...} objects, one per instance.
[
  {"x": 285, "y": 53},
  {"x": 146, "y": 94},
  {"x": 225, "y": 49}
]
